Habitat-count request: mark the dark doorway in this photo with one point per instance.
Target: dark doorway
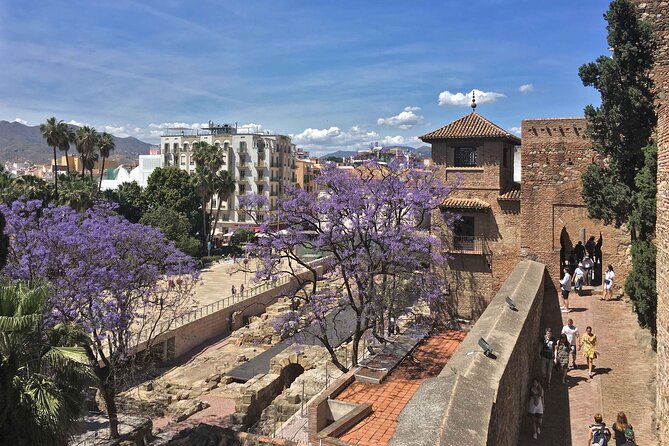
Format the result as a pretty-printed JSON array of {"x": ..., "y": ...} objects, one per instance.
[{"x": 290, "y": 373}]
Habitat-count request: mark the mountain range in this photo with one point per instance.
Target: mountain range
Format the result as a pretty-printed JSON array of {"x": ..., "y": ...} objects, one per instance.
[
  {"x": 421, "y": 151},
  {"x": 20, "y": 142}
]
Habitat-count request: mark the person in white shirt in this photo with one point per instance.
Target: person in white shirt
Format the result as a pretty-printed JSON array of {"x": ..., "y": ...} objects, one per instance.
[
  {"x": 573, "y": 337},
  {"x": 579, "y": 275},
  {"x": 608, "y": 283},
  {"x": 565, "y": 287}
]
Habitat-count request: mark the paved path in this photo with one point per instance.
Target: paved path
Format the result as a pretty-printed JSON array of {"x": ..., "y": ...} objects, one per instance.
[{"x": 622, "y": 382}]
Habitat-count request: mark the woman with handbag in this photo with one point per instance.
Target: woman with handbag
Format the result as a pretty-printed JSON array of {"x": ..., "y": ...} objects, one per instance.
[
  {"x": 562, "y": 351},
  {"x": 608, "y": 283},
  {"x": 589, "y": 348}
]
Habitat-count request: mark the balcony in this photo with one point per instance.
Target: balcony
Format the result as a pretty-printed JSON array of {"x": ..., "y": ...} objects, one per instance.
[
  {"x": 464, "y": 244},
  {"x": 261, "y": 164}
]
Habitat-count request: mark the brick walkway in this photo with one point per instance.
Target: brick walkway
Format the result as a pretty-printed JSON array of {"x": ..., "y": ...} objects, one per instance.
[
  {"x": 622, "y": 382},
  {"x": 389, "y": 398}
]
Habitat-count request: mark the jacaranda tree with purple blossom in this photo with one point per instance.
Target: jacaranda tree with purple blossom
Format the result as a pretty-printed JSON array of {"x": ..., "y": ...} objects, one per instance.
[
  {"x": 106, "y": 275},
  {"x": 371, "y": 224}
]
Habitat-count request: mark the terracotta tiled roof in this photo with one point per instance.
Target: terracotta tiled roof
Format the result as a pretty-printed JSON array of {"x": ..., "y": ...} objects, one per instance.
[
  {"x": 510, "y": 192},
  {"x": 465, "y": 203},
  {"x": 471, "y": 126}
]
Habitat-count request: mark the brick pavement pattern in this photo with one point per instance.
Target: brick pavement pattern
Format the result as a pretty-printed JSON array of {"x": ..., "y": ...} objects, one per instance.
[
  {"x": 624, "y": 374},
  {"x": 389, "y": 398}
]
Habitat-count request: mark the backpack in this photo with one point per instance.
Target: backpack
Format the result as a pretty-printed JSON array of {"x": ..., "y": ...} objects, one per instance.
[{"x": 601, "y": 436}]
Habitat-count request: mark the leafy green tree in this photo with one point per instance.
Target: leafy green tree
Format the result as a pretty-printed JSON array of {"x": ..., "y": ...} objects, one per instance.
[
  {"x": 208, "y": 160},
  {"x": 174, "y": 226},
  {"x": 173, "y": 188},
  {"x": 4, "y": 243},
  {"x": 67, "y": 137},
  {"x": 131, "y": 199},
  {"x": 29, "y": 186},
  {"x": 623, "y": 124},
  {"x": 106, "y": 145},
  {"x": 78, "y": 192},
  {"x": 86, "y": 139},
  {"x": 52, "y": 132},
  {"x": 41, "y": 377},
  {"x": 241, "y": 236},
  {"x": 622, "y": 189},
  {"x": 224, "y": 185}
]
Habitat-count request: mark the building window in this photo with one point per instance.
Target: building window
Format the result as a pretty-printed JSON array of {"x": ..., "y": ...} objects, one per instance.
[
  {"x": 167, "y": 147},
  {"x": 465, "y": 157},
  {"x": 175, "y": 146},
  {"x": 242, "y": 146},
  {"x": 242, "y": 189},
  {"x": 192, "y": 161},
  {"x": 183, "y": 160},
  {"x": 464, "y": 227},
  {"x": 261, "y": 189}
]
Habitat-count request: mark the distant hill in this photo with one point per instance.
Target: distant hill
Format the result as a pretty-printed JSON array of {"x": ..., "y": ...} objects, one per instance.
[
  {"x": 340, "y": 154},
  {"x": 20, "y": 142},
  {"x": 421, "y": 151}
]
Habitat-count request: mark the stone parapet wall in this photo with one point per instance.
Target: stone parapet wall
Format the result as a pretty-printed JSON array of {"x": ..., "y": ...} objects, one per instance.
[
  {"x": 657, "y": 14},
  {"x": 476, "y": 399}
]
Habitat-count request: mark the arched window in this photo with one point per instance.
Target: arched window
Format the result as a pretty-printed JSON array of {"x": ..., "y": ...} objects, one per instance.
[{"x": 183, "y": 160}]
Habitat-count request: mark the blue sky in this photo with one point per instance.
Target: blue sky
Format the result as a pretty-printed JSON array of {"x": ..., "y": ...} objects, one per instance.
[{"x": 334, "y": 75}]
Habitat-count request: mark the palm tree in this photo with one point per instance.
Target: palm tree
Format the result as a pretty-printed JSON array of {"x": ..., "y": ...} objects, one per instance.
[
  {"x": 51, "y": 131},
  {"x": 224, "y": 185},
  {"x": 67, "y": 137},
  {"x": 41, "y": 380},
  {"x": 208, "y": 160},
  {"x": 106, "y": 146},
  {"x": 86, "y": 141}
]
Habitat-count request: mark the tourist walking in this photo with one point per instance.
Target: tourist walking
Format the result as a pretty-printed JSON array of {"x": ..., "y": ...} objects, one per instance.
[
  {"x": 590, "y": 246},
  {"x": 608, "y": 283},
  {"x": 619, "y": 428},
  {"x": 241, "y": 289},
  {"x": 233, "y": 290},
  {"x": 535, "y": 407},
  {"x": 599, "y": 433},
  {"x": 579, "y": 278},
  {"x": 588, "y": 267},
  {"x": 573, "y": 336},
  {"x": 547, "y": 355},
  {"x": 562, "y": 356},
  {"x": 579, "y": 251},
  {"x": 565, "y": 288},
  {"x": 589, "y": 348}
]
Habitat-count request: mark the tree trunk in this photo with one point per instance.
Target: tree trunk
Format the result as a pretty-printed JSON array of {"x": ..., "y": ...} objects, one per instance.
[
  {"x": 67, "y": 162},
  {"x": 112, "y": 412},
  {"x": 218, "y": 211},
  {"x": 55, "y": 167},
  {"x": 81, "y": 160},
  {"x": 204, "y": 225},
  {"x": 102, "y": 173}
]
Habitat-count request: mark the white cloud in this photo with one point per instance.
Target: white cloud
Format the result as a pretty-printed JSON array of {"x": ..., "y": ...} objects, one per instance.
[
  {"x": 77, "y": 123},
  {"x": 177, "y": 125},
  {"x": 516, "y": 130},
  {"x": 20, "y": 121},
  {"x": 321, "y": 141},
  {"x": 404, "y": 120},
  {"x": 526, "y": 88},
  {"x": 446, "y": 98}
]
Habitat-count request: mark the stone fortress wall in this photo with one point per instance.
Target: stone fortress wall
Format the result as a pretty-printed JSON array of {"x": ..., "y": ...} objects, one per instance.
[
  {"x": 656, "y": 12},
  {"x": 555, "y": 153}
]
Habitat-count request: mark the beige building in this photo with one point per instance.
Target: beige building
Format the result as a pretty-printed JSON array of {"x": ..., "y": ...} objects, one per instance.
[
  {"x": 260, "y": 163},
  {"x": 307, "y": 170}
]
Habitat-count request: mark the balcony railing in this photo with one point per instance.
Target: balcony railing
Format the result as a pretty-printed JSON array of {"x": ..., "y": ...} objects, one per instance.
[{"x": 463, "y": 244}]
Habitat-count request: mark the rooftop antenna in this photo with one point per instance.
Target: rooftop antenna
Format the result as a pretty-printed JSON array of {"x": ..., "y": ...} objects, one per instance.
[{"x": 473, "y": 104}]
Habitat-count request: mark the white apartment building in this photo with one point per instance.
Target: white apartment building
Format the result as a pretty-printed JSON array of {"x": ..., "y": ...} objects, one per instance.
[{"x": 261, "y": 163}]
